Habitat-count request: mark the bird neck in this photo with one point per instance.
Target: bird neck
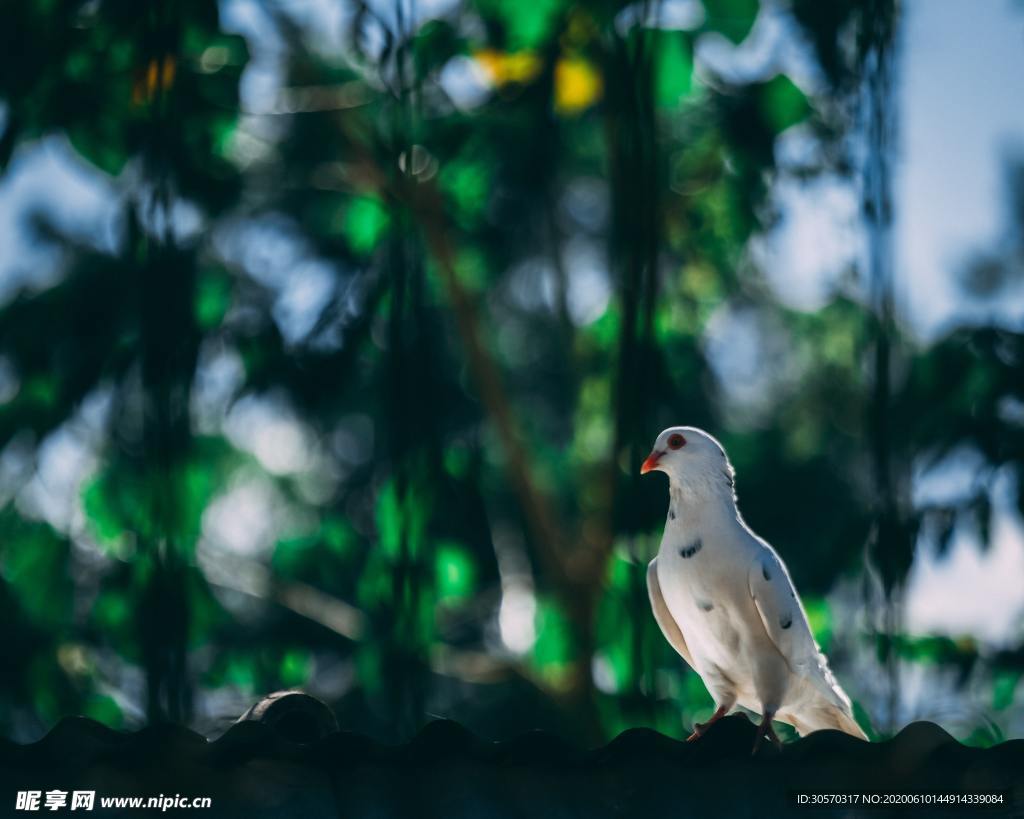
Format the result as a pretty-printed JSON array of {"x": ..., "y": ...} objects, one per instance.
[{"x": 693, "y": 504}]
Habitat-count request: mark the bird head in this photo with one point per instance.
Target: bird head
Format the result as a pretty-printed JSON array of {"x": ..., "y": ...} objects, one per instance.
[{"x": 690, "y": 457}]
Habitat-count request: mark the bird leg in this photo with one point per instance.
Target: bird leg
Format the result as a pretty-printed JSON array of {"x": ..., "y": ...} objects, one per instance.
[
  {"x": 765, "y": 729},
  {"x": 699, "y": 728}
]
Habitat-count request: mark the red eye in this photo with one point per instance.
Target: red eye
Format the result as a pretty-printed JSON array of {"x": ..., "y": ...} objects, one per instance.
[{"x": 676, "y": 441}]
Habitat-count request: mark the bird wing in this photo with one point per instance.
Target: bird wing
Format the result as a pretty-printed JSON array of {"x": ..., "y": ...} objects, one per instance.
[
  {"x": 668, "y": 625},
  {"x": 786, "y": 624}
]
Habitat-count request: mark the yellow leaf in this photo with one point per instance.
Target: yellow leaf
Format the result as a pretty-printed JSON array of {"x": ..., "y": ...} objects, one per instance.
[
  {"x": 157, "y": 76},
  {"x": 577, "y": 85},
  {"x": 503, "y": 68}
]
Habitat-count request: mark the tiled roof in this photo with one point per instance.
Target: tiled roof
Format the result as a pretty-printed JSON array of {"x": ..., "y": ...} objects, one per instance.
[{"x": 303, "y": 768}]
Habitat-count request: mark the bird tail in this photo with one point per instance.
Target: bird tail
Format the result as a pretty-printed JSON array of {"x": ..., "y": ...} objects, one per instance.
[{"x": 825, "y": 717}]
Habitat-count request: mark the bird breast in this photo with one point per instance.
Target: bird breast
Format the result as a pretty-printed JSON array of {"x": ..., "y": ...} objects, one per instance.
[{"x": 705, "y": 589}]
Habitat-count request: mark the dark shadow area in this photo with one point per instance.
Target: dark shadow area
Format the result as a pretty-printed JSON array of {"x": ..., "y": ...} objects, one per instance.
[{"x": 255, "y": 770}]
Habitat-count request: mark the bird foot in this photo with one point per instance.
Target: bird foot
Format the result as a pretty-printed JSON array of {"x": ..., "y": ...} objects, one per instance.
[
  {"x": 700, "y": 728},
  {"x": 765, "y": 729}
]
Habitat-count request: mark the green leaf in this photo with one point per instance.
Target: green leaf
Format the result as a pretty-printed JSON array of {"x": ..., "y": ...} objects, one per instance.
[
  {"x": 334, "y": 539},
  {"x": 290, "y": 554},
  {"x": 100, "y": 144},
  {"x": 526, "y": 25},
  {"x": 732, "y": 18},
  {"x": 819, "y": 615},
  {"x": 368, "y": 666},
  {"x": 104, "y": 518},
  {"x": 694, "y": 691},
  {"x": 118, "y": 506},
  {"x": 296, "y": 667},
  {"x": 467, "y": 182},
  {"x": 389, "y": 520},
  {"x": 782, "y": 104},
  {"x": 985, "y": 735},
  {"x": 402, "y": 519},
  {"x": 366, "y": 222},
  {"x": 673, "y": 67},
  {"x": 1004, "y": 686},
  {"x": 240, "y": 670},
  {"x": 554, "y": 648},
  {"x": 454, "y": 572},
  {"x": 337, "y": 535},
  {"x": 34, "y": 561},
  {"x": 104, "y": 709},
  {"x": 207, "y": 617},
  {"x": 457, "y": 460},
  {"x": 111, "y": 611},
  {"x": 605, "y": 331},
  {"x": 40, "y": 391},
  {"x": 863, "y": 719}
]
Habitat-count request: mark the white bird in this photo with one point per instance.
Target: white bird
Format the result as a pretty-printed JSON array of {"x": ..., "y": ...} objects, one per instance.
[{"x": 725, "y": 602}]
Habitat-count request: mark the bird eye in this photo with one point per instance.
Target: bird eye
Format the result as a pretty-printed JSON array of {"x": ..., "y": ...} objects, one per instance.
[{"x": 676, "y": 441}]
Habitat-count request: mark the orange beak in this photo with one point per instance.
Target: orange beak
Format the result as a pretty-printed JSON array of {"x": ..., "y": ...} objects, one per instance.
[{"x": 651, "y": 463}]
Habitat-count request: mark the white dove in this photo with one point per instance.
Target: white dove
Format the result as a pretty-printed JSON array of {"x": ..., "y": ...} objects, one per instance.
[{"x": 724, "y": 599}]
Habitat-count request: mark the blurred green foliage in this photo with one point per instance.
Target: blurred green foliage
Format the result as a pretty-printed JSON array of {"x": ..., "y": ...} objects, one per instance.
[{"x": 434, "y": 506}]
